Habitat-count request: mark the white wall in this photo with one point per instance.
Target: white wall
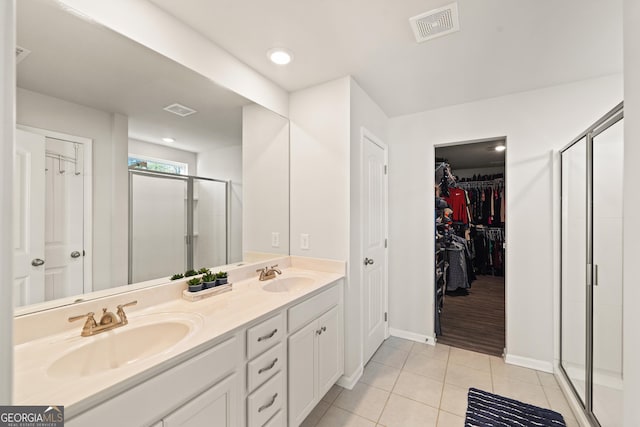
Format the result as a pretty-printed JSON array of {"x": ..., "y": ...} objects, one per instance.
[
  {"x": 158, "y": 151},
  {"x": 110, "y": 186},
  {"x": 226, "y": 164},
  {"x": 631, "y": 209},
  {"x": 7, "y": 131},
  {"x": 320, "y": 135},
  {"x": 536, "y": 125},
  {"x": 168, "y": 36},
  {"x": 265, "y": 149},
  {"x": 364, "y": 113}
]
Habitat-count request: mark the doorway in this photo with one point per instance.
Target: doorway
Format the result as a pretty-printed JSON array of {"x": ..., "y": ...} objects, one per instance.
[
  {"x": 470, "y": 242},
  {"x": 374, "y": 242},
  {"x": 52, "y": 216}
]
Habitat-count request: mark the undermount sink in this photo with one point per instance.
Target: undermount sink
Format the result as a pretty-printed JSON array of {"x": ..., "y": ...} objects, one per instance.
[
  {"x": 129, "y": 344},
  {"x": 288, "y": 284}
]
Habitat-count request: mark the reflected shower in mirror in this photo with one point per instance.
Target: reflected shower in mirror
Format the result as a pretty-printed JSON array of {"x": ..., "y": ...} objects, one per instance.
[{"x": 100, "y": 119}]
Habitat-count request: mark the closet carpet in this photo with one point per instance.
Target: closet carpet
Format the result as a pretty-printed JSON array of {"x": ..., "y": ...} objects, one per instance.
[{"x": 476, "y": 321}]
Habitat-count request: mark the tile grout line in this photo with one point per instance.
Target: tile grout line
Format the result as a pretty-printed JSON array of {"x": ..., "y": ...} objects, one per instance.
[
  {"x": 394, "y": 385},
  {"x": 446, "y": 369}
]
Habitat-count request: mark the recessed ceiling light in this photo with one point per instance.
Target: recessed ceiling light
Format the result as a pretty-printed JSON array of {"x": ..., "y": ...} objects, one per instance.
[
  {"x": 280, "y": 56},
  {"x": 500, "y": 148},
  {"x": 168, "y": 140}
]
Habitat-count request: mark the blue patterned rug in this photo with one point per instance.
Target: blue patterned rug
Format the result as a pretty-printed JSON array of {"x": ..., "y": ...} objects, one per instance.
[{"x": 487, "y": 409}]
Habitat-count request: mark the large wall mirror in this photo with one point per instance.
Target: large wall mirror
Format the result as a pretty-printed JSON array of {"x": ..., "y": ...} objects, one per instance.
[{"x": 131, "y": 167}]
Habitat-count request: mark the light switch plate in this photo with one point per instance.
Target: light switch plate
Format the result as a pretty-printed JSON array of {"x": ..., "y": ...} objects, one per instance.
[
  {"x": 304, "y": 241},
  {"x": 275, "y": 239}
]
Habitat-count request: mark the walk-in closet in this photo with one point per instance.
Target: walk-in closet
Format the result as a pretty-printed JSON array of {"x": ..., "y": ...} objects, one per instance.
[{"x": 470, "y": 216}]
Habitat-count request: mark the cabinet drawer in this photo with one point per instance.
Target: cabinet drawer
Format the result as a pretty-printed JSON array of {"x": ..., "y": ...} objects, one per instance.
[
  {"x": 306, "y": 311},
  {"x": 265, "y": 366},
  {"x": 264, "y": 335},
  {"x": 276, "y": 421},
  {"x": 263, "y": 403}
]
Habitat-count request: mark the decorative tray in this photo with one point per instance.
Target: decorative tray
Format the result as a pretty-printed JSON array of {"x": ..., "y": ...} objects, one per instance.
[{"x": 197, "y": 296}]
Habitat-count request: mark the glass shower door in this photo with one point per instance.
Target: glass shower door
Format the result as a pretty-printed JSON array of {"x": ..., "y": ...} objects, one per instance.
[
  {"x": 608, "y": 152},
  {"x": 574, "y": 266},
  {"x": 158, "y": 226}
]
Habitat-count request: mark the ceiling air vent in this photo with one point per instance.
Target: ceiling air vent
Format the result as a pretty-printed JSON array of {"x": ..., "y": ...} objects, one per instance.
[
  {"x": 21, "y": 53},
  {"x": 180, "y": 110},
  {"x": 435, "y": 23}
]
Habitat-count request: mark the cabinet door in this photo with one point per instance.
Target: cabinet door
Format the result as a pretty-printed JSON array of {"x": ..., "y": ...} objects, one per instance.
[
  {"x": 216, "y": 407},
  {"x": 302, "y": 373},
  {"x": 330, "y": 360}
]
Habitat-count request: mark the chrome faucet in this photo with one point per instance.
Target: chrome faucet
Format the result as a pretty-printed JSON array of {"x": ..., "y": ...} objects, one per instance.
[
  {"x": 268, "y": 272},
  {"x": 107, "y": 322}
]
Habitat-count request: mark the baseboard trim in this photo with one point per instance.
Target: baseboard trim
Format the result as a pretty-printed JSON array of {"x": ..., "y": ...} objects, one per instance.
[
  {"x": 412, "y": 336},
  {"x": 526, "y": 362},
  {"x": 350, "y": 381}
]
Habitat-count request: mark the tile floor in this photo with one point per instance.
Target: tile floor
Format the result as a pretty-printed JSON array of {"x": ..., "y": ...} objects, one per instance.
[{"x": 410, "y": 384}]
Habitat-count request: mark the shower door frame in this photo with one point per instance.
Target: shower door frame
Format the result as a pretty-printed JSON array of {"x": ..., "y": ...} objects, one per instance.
[
  {"x": 189, "y": 234},
  {"x": 604, "y": 123}
]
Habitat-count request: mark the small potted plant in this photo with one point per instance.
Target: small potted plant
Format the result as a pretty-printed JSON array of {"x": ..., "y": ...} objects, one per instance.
[
  {"x": 190, "y": 273},
  {"x": 208, "y": 280},
  {"x": 203, "y": 270},
  {"x": 221, "y": 278},
  {"x": 195, "y": 284},
  {"x": 177, "y": 276}
]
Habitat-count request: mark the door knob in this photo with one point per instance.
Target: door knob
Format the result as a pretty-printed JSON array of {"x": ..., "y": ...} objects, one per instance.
[
  {"x": 37, "y": 262},
  {"x": 75, "y": 254},
  {"x": 368, "y": 261}
]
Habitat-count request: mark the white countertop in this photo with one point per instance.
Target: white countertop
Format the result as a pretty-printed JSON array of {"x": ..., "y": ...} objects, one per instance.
[{"x": 212, "y": 319}]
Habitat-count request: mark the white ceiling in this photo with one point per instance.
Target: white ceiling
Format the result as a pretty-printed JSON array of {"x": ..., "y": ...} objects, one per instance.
[
  {"x": 88, "y": 64},
  {"x": 504, "y": 46}
]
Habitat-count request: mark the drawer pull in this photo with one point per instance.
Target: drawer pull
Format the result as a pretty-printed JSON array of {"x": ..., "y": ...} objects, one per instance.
[
  {"x": 266, "y": 337},
  {"x": 268, "y": 367},
  {"x": 268, "y": 405}
]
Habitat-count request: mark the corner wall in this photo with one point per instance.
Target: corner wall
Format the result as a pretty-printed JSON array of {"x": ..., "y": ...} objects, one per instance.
[
  {"x": 537, "y": 124},
  {"x": 631, "y": 237},
  {"x": 364, "y": 112},
  {"x": 7, "y": 134}
]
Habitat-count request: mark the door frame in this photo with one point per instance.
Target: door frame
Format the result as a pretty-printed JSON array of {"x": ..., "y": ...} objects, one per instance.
[
  {"x": 88, "y": 196},
  {"x": 365, "y": 133},
  {"x": 506, "y": 230}
]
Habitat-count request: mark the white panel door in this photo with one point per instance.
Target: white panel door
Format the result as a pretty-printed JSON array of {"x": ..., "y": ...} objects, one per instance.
[
  {"x": 374, "y": 227},
  {"x": 64, "y": 219},
  {"x": 28, "y": 217}
]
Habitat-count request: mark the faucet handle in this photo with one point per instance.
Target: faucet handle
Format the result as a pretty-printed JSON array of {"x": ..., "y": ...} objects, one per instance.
[
  {"x": 89, "y": 325},
  {"x": 261, "y": 270},
  {"x": 89, "y": 317},
  {"x": 121, "y": 314},
  {"x": 129, "y": 304},
  {"x": 274, "y": 266}
]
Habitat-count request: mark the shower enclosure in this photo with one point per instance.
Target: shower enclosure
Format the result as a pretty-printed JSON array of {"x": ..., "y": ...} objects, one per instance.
[
  {"x": 591, "y": 268},
  {"x": 176, "y": 223}
]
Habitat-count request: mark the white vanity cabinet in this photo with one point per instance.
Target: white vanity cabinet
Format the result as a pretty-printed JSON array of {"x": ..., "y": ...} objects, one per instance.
[
  {"x": 206, "y": 386},
  {"x": 216, "y": 407},
  {"x": 316, "y": 359}
]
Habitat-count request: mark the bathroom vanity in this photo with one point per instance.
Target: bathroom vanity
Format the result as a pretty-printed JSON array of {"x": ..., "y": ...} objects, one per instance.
[{"x": 261, "y": 355}]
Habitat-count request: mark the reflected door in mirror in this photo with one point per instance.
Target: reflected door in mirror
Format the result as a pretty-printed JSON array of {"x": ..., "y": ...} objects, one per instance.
[{"x": 49, "y": 213}]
